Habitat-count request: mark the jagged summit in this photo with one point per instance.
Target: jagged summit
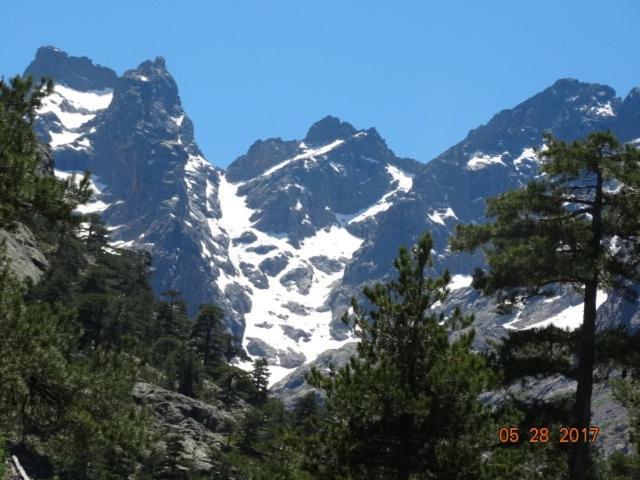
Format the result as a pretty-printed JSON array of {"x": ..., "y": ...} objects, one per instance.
[
  {"x": 149, "y": 93},
  {"x": 155, "y": 68},
  {"x": 79, "y": 73},
  {"x": 328, "y": 129}
]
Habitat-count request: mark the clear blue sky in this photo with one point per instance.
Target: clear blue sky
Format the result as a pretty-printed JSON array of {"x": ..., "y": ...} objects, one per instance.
[{"x": 422, "y": 72}]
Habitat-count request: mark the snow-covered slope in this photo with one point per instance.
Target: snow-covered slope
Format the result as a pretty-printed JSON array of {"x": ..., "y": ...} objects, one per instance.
[{"x": 289, "y": 287}]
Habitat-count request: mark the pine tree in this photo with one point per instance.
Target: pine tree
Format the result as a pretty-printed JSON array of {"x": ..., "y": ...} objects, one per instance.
[
  {"x": 97, "y": 235},
  {"x": 24, "y": 192},
  {"x": 173, "y": 465},
  {"x": 260, "y": 380},
  {"x": 172, "y": 318},
  {"x": 408, "y": 406},
  {"x": 189, "y": 372},
  {"x": 578, "y": 225},
  {"x": 75, "y": 407},
  {"x": 209, "y": 334}
]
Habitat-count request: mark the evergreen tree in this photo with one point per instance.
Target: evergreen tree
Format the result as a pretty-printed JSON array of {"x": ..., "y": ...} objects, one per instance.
[
  {"x": 209, "y": 334},
  {"x": 260, "y": 380},
  {"x": 74, "y": 407},
  {"x": 578, "y": 225},
  {"x": 306, "y": 414},
  {"x": 408, "y": 406},
  {"x": 24, "y": 192},
  {"x": 172, "y": 317},
  {"x": 189, "y": 372},
  {"x": 172, "y": 466},
  {"x": 97, "y": 235},
  {"x": 62, "y": 399}
]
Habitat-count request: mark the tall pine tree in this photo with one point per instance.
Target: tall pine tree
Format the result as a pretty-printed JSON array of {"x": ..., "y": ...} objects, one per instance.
[
  {"x": 577, "y": 224},
  {"x": 408, "y": 406},
  {"x": 209, "y": 334}
]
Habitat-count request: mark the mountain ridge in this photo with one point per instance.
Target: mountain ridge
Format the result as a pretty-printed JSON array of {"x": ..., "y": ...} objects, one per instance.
[{"x": 289, "y": 231}]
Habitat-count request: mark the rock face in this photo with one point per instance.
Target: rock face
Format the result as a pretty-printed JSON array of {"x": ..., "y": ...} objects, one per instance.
[
  {"x": 294, "y": 228},
  {"x": 294, "y": 386},
  {"x": 202, "y": 428},
  {"x": 288, "y": 192},
  {"x": 493, "y": 158},
  {"x": 156, "y": 190},
  {"x": 26, "y": 260},
  {"x": 79, "y": 73}
]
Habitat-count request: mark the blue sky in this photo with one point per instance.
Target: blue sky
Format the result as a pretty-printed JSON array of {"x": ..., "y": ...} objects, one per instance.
[{"x": 422, "y": 72}]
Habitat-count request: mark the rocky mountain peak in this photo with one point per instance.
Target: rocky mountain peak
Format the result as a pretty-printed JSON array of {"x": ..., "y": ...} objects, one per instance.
[
  {"x": 148, "y": 98},
  {"x": 327, "y": 130},
  {"x": 79, "y": 73},
  {"x": 628, "y": 126}
]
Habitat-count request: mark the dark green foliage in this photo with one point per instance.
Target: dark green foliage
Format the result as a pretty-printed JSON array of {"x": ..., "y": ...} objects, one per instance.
[
  {"x": 536, "y": 353},
  {"x": 108, "y": 289},
  {"x": 210, "y": 337},
  {"x": 65, "y": 402},
  {"x": 2, "y": 458},
  {"x": 619, "y": 467},
  {"x": 172, "y": 466},
  {"x": 408, "y": 405},
  {"x": 305, "y": 415},
  {"x": 24, "y": 194},
  {"x": 104, "y": 435},
  {"x": 260, "y": 380},
  {"x": 78, "y": 404},
  {"x": 578, "y": 225},
  {"x": 234, "y": 383},
  {"x": 189, "y": 372},
  {"x": 628, "y": 393},
  {"x": 268, "y": 445},
  {"x": 171, "y": 316}
]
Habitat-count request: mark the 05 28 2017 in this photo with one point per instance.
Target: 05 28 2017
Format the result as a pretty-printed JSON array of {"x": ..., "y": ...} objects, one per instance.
[{"x": 511, "y": 435}]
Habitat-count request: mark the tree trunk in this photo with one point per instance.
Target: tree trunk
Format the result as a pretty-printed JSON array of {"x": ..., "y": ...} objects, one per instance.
[
  {"x": 581, "y": 461},
  {"x": 581, "y": 458}
]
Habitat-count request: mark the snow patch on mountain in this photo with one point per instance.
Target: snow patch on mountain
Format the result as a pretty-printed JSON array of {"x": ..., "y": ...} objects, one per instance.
[
  {"x": 95, "y": 204},
  {"x": 73, "y": 109},
  {"x": 600, "y": 109},
  {"x": 568, "y": 319},
  {"x": 63, "y": 138},
  {"x": 528, "y": 154},
  {"x": 289, "y": 308},
  {"x": 403, "y": 181},
  {"x": 459, "y": 282},
  {"x": 307, "y": 154},
  {"x": 479, "y": 161},
  {"x": 439, "y": 216}
]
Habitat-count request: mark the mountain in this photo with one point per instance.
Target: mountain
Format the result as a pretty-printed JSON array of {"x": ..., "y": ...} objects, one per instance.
[
  {"x": 493, "y": 158},
  {"x": 269, "y": 239},
  {"x": 453, "y": 188},
  {"x": 292, "y": 229}
]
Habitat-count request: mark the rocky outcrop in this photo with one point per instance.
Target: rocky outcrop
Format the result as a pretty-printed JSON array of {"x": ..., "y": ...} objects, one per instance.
[
  {"x": 79, "y": 73},
  {"x": 202, "y": 428},
  {"x": 294, "y": 386},
  {"x": 301, "y": 277},
  {"x": 26, "y": 260}
]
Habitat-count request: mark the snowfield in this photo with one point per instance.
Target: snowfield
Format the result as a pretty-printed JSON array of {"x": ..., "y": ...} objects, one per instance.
[
  {"x": 73, "y": 109},
  {"x": 268, "y": 313},
  {"x": 568, "y": 319},
  {"x": 480, "y": 161}
]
